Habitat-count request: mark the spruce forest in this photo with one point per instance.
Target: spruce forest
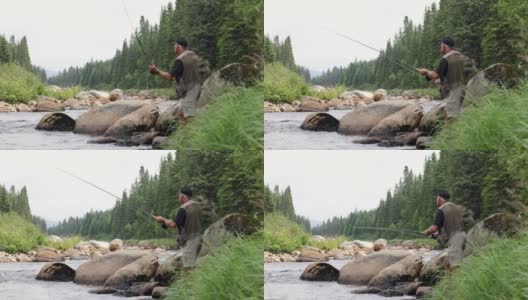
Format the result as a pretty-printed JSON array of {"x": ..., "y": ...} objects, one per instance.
[
  {"x": 18, "y": 52},
  {"x": 13, "y": 201},
  {"x": 486, "y": 31},
  {"x": 281, "y": 202},
  {"x": 225, "y": 182},
  {"x": 222, "y": 32}
]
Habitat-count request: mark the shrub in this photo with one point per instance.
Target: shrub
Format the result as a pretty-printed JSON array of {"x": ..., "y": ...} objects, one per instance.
[
  {"x": 329, "y": 93},
  {"x": 282, "y": 85},
  {"x": 18, "y": 85},
  {"x": 282, "y": 234},
  {"x": 64, "y": 94},
  {"x": 18, "y": 235},
  {"x": 65, "y": 244}
]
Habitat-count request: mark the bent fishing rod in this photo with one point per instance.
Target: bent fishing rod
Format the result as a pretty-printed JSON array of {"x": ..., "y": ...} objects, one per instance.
[
  {"x": 404, "y": 65},
  {"x": 140, "y": 43},
  {"x": 146, "y": 215}
]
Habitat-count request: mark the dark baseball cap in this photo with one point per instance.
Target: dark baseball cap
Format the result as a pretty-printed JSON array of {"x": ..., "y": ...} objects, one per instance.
[
  {"x": 182, "y": 42},
  {"x": 448, "y": 41},
  {"x": 444, "y": 194},
  {"x": 186, "y": 191}
]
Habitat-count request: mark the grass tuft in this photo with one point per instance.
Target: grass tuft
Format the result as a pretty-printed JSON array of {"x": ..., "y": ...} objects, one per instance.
[
  {"x": 18, "y": 235},
  {"x": 18, "y": 85},
  {"x": 282, "y": 85},
  {"x": 282, "y": 234}
]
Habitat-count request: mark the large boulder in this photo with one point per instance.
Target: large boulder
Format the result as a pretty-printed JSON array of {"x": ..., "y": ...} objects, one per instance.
[
  {"x": 99, "y": 269},
  {"x": 160, "y": 142},
  {"x": 434, "y": 119},
  {"x": 141, "y": 270},
  {"x": 320, "y": 122},
  {"x": 48, "y": 105},
  {"x": 45, "y": 254},
  {"x": 362, "y": 270},
  {"x": 433, "y": 270},
  {"x": 116, "y": 244},
  {"x": 369, "y": 96},
  {"x": 56, "y": 272},
  {"x": 320, "y": 272},
  {"x": 362, "y": 120},
  {"x": 168, "y": 120},
  {"x": 169, "y": 268},
  {"x": 497, "y": 75},
  {"x": 56, "y": 122},
  {"x": 231, "y": 75},
  {"x": 499, "y": 224},
  {"x": 100, "y": 95},
  {"x": 312, "y": 256},
  {"x": 364, "y": 245},
  {"x": 405, "y": 270},
  {"x": 75, "y": 104},
  {"x": 311, "y": 104},
  {"x": 116, "y": 94},
  {"x": 405, "y": 120},
  {"x": 232, "y": 224},
  {"x": 380, "y": 244},
  {"x": 98, "y": 120},
  {"x": 140, "y": 120},
  {"x": 100, "y": 245},
  {"x": 160, "y": 292},
  {"x": 21, "y": 107},
  {"x": 380, "y": 95}
]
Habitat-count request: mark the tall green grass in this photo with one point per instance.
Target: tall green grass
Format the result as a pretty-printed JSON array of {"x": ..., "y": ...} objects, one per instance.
[
  {"x": 499, "y": 271},
  {"x": 329, "y": 243},
  {"x": 282, "y": 234},
  {"x": 232, "y": 271},
  {"x": 499, "y": 121},
  {"x": 64, "y": 94},
  {"x": 233, "y": 121},
  {"x": 18, "y": 235},
  {"x": 329, "y": 93},
  {"x": 282, "y": 85},
  {"x": 18, "y": 85},
  {"x": 65, "y": 244}
]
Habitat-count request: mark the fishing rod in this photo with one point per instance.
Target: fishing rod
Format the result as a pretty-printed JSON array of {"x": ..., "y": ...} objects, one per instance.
[
  {"x": 146, "y": 215},
  {"x": 404, "y": 65},
  {"x": 409, "y": 232},
  {"x": 140, "y": 43}
]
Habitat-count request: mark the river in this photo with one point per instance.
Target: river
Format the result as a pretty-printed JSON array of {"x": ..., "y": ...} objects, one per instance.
[
  {"x": 17, "y": 282},
  {"x": 281, "y": 282},
  {"x": 283, "y": 131}
]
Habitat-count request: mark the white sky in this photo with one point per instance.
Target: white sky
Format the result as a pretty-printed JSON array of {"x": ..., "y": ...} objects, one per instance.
[
  {"x": 63, "y": 33},
  {"x": 307, "y": 22},
  {"x": 332, "y": 183},
  {"x": 54, "y": 195}
]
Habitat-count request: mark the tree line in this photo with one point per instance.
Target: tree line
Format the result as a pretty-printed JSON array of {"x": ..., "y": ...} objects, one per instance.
[
  {"x": 13, "y": 201},
  {"x": 222, "y": 32},
  {"x": 486, "y": 31},
  {"x": 278, "y": 51},
  {"x": 224, "y": 181},
  {"x": 277, "y": 201},
  {"x": 480, "y": 181},
  {"x": 12, "y": 51}
]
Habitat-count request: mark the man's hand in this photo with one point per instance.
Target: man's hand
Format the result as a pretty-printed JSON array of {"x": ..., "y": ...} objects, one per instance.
[
  {"x": 426, "y": 232},
  {"x": 423, "y": 71},
  {"x": 159, "y": 219},
  {"x": 154, "y": 70}
]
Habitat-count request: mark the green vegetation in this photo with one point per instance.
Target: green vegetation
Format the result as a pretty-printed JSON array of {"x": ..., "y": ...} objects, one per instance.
[
  {"x": 64, "y": 94},
  {"x": 18, "y": 234},
  {"x": 328, "y": 244},
  {"x": 235, "y": 270},
  {"x": 232, "y": 122},
  {"x": 498, "y": 271},
  {"x": 18, "y": 84},
  {"x": 282, "y": 84},
  {"x": 65, "y": 244},
  {"x": 230, "y": 181},
  {"x": 282, "y": 234},
  {"x": 221, "y": 32},
  {"x": 487, "y": 31},
  {"x": 500, "y": 121},
  {"x": 329, "y": 93}
]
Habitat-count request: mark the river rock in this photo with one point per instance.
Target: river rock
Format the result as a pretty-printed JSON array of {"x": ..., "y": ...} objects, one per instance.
[
  {"x": 116, "y": 244},
  {"x": 433, "y": 270},
  {"x": 46, "y": 254},
  {"x": 169, "y": 268},
  {"x": 85, "y": 96},
  {"x": 143, "y": 138},
  {"x": 75, "y": 104},
  {"x": 361, "y": 121},
  {"x": 103, "y": 291},
  {"x": 56, "y": 272},
  {"x": 320, "y": 272},
  {"x": 160, "y": 142},
  {"x": 102, "y": 140},
  {"x": 71, "y": 252},
  {"x": 424, "y": 292},
  {"x": 234, "y": 74},
  {"x": 368, "y": 246},
  {"x": 99, "y": 269},
  {"x": 6, "y": 107},
  {"x": 406, "y": 119},
  {"x": 168, "y": 121},
  {"x": 99, "y": 245},
  {"x": 380, "y": 95},
  {"x": 116, "y": 94},
  {"x": 317, "y": 238},
  {"x": 21, "y": 107},
  {"x": 141, "y": 270},
  {"x": 368, "y": 140},
  {"x": 434, "y": 119},
  {"x": 232, "y": 224},
  {"x": 140, "y": 120},
  {"x": 285, "y": 107},
  {"x": 21, "y": 257},
  {"x": 160, "y": 292},
  {"x": 312, "y": 256},
  {"x": 380, "y": 244},
  {"x": 496, "y": 225},
  {"x": 141, "y": 289},
  {"x": 285, "y": 257},
  {"x": 408, "y": 138},
  {"x": 56, "y": 122},
  {"x": 98, "y": 120},
  {"x": 318, "y": 88},
  {"x": 311, "y": 104},
  {"x": 46, "y": 105},
  {"x": 423, "y": 142},
  {"x": 320, "y": 122},
  {"x": 54, "y": 238},
  {"x": 362, "y": 270},
  {"x": 405, "y": 270},
  {"x": 100, "y": 95},
  {"x": 497, "y": 75},
  {"x": 364, "y": 95}
]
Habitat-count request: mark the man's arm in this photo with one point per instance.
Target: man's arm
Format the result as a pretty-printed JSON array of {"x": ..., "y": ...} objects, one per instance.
[
  {"x": 167, "y": 223},
  {"x": 438, "y": 223},
  {"x": 165, "y": 75},
  {"x": 432, "y": 75}
]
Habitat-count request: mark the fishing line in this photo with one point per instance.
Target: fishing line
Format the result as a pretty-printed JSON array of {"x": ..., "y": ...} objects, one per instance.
[
  {"x": 404, "y": 231},
  {"x": 404, "y": 65}
]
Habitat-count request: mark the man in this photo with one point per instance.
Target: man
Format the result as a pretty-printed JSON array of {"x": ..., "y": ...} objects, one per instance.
[
  {"x": 188, "y": 222},
  {"x": 186, "y": 73},
  {"x": 451, "y": 75},
  {"x": 449, "y": 225}
]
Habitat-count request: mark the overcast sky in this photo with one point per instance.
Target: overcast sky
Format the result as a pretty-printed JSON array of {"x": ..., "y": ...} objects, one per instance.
[
  {"x": 307, "y": 22},
  {"x": 331, "y": 183},
  {"x": 54, "y": 195},
  {"x": 63, "y": 33}
]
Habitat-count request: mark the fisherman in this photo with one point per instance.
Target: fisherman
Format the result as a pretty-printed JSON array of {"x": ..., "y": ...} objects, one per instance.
[
  {"x": 188, "y": 222},
  {"x": 451, "y": 75},
  {"x": 449, "y": 228},
  {"x": 188, "y": 75}
]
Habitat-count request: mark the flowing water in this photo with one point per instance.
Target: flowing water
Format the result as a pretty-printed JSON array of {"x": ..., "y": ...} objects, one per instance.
[
  {"x": 281, "y": 282},
  {"x": 283, "y": 131},
  {"x": 17, "y": 282}
]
